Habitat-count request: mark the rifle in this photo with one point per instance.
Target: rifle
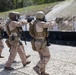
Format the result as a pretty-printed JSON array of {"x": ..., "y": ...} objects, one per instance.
[
  {"x": 21, "y": 33},
  {"x": 29, "y": 18},
  {"x": 47, "y": 39}
]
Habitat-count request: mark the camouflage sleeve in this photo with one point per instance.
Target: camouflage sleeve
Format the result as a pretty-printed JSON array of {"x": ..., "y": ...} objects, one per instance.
[
  {"x": 44, "y": 24},
  {"x": 20, "y": 23},
  {"x": 23, "y": 21}
]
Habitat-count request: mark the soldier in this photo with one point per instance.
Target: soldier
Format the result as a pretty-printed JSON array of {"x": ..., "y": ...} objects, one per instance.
[
  {"x": 12, "y": 31},
  {"x": 74, "y": 23},
  {"x": 55, "y": 27},
  {"x": 20, "y": 44},
  {"x": 1, "y": 41},
  {"x": 40, "y": 43}
]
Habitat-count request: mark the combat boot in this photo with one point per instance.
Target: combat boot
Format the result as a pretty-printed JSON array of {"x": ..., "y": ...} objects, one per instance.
[
  {"x": 27, "y": 56},
  {"x": 28, "y": 62},
  {"x": 8, "y": 68},
  {"x": 14, "y": 61},
  {"x": 43, "y": 73},
  {"x": 37, "y": 70},
  {"x": 1, "y": 56}
]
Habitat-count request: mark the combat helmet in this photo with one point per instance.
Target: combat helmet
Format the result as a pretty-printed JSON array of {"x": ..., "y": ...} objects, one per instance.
[
  {"x": 14, "y": 15},
  {"x": 40, "y": 15}
]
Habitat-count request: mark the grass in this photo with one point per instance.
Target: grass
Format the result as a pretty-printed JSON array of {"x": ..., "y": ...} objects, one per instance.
[{"x": 31, "y": 10}]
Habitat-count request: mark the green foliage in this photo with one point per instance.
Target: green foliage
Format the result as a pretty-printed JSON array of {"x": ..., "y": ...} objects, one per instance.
[
  {"x": 31, "y": 10},
  {"x": 14, "y": 4},
  {"x": 27, "y": 3},
  {"x": 5, "y": 5},
  {"x": 44, "y": 1}
]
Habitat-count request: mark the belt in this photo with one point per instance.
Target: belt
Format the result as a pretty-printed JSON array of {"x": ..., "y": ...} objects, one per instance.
[
  {"x": 14, "y": 36},
  {"x": 40, "y": 40}
]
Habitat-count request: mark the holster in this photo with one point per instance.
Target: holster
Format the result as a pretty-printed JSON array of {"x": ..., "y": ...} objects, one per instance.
[
  {"x": 12, "y": 37},
  {"x": 8, "y": 44},
  {"x": 48, "y": 44}
]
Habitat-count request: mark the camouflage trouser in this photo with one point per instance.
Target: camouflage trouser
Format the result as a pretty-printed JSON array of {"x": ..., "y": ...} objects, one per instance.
[
  {"x": 15, "y": 47},
  {"x": 43, "y": 53},
  {"x": 1, "y": 46}
]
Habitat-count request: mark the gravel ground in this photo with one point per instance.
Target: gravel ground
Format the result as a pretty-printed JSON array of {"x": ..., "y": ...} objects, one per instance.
[{"x": 62, "y": 62}]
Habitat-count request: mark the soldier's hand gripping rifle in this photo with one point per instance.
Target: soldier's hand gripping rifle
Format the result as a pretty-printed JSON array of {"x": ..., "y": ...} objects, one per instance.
[{"x": 29, "y": 18}]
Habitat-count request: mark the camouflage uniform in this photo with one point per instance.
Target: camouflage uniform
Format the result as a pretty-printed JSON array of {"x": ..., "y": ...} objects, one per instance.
[
  {"x": 1, "y": 41},
  {"x": 41, "y": 45},
  {"x": 1, "y": 48},
  {"x": 14, "y": 43}
]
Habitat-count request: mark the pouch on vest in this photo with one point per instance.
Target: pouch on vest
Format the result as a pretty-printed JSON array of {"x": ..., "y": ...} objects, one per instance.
[
  {"x": 32, "y": 29},
  {"x": 34, "y": 33}
]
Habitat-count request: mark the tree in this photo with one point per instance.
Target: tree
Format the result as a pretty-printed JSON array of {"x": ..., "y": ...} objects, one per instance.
[
  {"x": 27, "y": 3},
  {"x": 5, "y": 5},
  {"x": 13, "y": 4}
]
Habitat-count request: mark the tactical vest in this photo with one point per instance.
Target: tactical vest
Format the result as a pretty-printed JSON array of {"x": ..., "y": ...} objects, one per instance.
[
  {"x": 15, "y": 30},
  {"x": 34, "y": 33},
  {"x": 7, "y": 29}
]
